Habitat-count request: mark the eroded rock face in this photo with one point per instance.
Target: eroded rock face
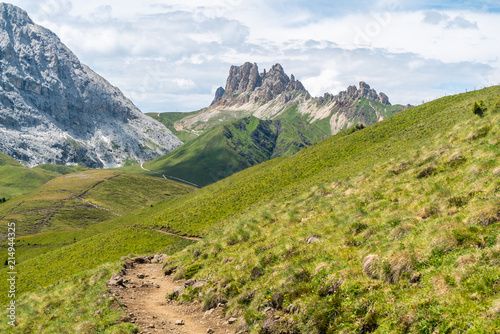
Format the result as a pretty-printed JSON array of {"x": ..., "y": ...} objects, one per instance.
[
  {"x": 54, "y": 109},
  {"x": 244, "y": 84},
  {"x": 353, "y": 93}
]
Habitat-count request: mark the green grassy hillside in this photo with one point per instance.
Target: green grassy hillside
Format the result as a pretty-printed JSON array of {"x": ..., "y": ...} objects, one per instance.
[
  {"x": 231, "y": 147},
  {"x": 68, "y": 209},
  {"x": 79, "y": 200},
  {"x": 392, "y": 228},
  {"x": 44, "y": 258},
  {"x": 169, "y": 118},
  {"x": 336, "y": 158},
  {"x": 400, "y": 238},
  {"x": 16, "y": 180}
]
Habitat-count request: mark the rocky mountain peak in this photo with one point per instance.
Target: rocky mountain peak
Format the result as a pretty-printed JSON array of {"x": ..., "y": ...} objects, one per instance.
[
  {"x": 14, "y": 15},
  {"x": 353, "y": 93},
  {"x": 54, "y": 109},
  {"x": 244, "y": 78},
  {"x": 244, "y": 84}
]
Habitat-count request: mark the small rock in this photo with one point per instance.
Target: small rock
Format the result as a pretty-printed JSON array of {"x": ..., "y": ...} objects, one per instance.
[
  {"x": 209, "y": 312},
  {"x": 312, "y": 239},
  {"x": 179, "y": 322},
  {"x": 128, "y": 264},
  {"x": 140, "y": 276},
  {"x": 232, "y": 320},
  {"x": 210, "y": 331},
  {"x": 169, "y": 270},
  {"x": 189, "y": 282},
  {"x": 199, "y": 284},
  {"x": 178, "y": 289},
  {"x": 115, "y": 280},
  {"x": 141, "y": 260}
]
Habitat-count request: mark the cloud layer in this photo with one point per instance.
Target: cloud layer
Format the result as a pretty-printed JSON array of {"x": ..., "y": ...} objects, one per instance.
[{"x": 169, "y": 55}]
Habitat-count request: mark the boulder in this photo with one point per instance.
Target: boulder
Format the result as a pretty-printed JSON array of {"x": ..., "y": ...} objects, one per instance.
[{"x": 115, "y": 280}]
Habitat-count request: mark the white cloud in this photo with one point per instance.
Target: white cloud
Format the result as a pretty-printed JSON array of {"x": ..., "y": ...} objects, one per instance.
[{"x": 169, "y": 55}]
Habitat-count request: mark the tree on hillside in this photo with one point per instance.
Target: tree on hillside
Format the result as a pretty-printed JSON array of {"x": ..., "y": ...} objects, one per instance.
[{"x": 479, "y": 108}]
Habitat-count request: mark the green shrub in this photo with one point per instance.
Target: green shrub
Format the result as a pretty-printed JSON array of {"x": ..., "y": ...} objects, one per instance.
[
  {"x": 192, "y": 270},
  {"x": 479, "y": 108}
]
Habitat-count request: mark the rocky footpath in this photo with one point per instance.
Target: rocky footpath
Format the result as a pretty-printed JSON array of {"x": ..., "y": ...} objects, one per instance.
[
  {"x": 141, "y": 288},
  {"x": 54, "y": 109}
]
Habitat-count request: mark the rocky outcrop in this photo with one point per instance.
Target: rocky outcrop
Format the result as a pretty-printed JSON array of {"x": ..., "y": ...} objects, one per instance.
[
  {"x": 245, "y": 85},
  {"x": 353, "y": 93},
  {"x": 272, "y": 94},
  {"x": 54, "y": 109},
  {"x": 218, "y": 95}
]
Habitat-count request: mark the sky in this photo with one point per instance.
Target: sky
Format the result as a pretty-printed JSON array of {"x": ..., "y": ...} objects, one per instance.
[{"x": 171, "y": 55}]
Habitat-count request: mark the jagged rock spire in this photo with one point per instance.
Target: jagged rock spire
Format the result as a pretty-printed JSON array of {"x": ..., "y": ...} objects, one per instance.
[{"x": 245, "y": 84}]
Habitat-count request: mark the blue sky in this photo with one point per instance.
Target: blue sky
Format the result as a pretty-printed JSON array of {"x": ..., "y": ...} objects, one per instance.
[{"x": 172, "y": 55}]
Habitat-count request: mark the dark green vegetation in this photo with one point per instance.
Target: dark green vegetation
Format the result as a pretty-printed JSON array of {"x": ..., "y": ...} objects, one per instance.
[
  {"x": 234, "y": 146},
  {"x": 391, "y": 228},
  {"x": 15, "y": 179},
  {"x": 479, "y": 108}
]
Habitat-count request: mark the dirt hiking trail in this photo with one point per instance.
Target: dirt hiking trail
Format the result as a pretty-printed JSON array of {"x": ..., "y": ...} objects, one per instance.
[{"x": 142, "y": 290}]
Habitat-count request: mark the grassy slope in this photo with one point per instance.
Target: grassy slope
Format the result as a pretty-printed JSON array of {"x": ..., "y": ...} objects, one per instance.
[
  {"x": 169, "y": 118},
  {"x": 66, "y": 202},
  {"x": 335, "y": 158},
  {"x": 16, "y": 180},
  {"x": 216, "y": 155},
  {"x": 42, "y": 259},
  {"x": 53, "y": 217},
  {"x": 264, "y": 214},
  {"x": 407, "y": 232},
  {"x": 49, "y": 310},
  {"x": 231, "y": 147}
]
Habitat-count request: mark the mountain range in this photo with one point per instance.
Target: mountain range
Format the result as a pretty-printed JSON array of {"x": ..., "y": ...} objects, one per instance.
[
  {"x": 303, "y": 223},
  {"x": 54, "y": 109},
  {"x": 273, "y": 95},
  {"x": 257, "y": 117}
]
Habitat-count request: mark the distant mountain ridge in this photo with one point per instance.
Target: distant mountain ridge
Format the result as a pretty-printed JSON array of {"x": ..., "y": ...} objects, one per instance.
[
  {"x": 54, "y": 109},
  {"x": 271, "y": 94}
]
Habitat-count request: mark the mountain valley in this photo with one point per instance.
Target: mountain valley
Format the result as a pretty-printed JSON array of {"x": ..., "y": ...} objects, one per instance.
[{"x": 269, "y": 211}]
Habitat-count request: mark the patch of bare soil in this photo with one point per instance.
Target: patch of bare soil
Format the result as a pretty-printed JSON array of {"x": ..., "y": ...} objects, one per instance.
[{"x": 142, "y": 291}]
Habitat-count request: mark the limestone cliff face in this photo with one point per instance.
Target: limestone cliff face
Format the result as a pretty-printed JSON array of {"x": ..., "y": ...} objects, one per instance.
[
  {"x": 268, "y": 95},
  {"x": 54, "y": 109}
]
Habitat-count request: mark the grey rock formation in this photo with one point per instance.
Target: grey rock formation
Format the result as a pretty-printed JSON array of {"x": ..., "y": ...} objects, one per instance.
[
  {"x": 218, "y": 95},
  {"x": 353, "y": 93},
  {"x": 54, "y": 109},
  {"x": 244, "y": 84},
  {"x": 272, "y": 94}
]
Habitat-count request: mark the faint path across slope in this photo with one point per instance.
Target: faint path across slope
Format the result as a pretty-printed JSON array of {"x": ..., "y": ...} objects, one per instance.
[
  {"x": 97, "y": 206},
  {"x": 145, "y": 303},
  {"x": 170, "y": 176},
  {"x": 179, "y": 236}
]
